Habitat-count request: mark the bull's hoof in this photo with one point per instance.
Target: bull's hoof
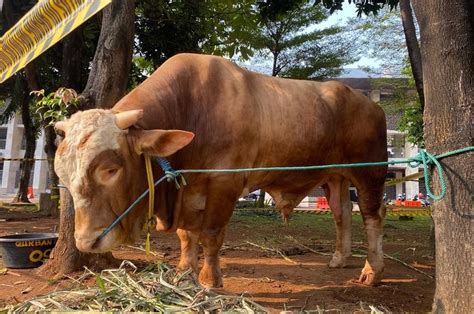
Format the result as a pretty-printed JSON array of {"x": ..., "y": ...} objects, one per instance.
[
  {"x": 369, "y": 277},
  {"x": 338, "y": 261},
  {"x": 210, "y": 279}
]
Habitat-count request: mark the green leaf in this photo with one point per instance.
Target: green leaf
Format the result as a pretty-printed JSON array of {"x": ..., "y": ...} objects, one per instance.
[{"x": 100, "y": 283}]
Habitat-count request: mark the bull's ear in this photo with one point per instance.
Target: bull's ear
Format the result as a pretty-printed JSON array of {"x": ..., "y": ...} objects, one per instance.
[{"x": 160, "y": 143}]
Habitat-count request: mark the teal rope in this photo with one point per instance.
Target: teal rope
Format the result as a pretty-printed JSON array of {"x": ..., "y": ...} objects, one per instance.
[
  {"x": 423, "y": 158},
  {"x": 426, "y": 159}
]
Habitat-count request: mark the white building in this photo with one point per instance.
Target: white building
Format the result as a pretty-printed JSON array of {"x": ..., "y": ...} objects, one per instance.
[{"x": 12, "y": 145}]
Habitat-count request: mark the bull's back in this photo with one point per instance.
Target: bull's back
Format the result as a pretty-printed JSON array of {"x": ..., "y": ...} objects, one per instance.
[{"x": 297, "y": 122}]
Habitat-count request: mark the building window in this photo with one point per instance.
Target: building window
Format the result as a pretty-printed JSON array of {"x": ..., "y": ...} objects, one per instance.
[{"x": 3, "y": 138}]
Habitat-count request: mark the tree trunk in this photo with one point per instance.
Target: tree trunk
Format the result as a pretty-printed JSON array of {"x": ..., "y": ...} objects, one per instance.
[
  {"x": 108, "y": 78},
  {"x": 447, "y": 47},
  {"x": 29, "y": 136},
  {"x": 413, "y": 48},
  {"x": 72, "y": 54},
  {"x": 106, "y": 85},
  {"x": 29, "y": 131},
  {"x": 50, "y": 150}
]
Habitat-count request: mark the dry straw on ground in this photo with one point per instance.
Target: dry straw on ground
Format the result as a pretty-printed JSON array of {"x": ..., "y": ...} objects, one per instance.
[{"x": 157, "y": 288}]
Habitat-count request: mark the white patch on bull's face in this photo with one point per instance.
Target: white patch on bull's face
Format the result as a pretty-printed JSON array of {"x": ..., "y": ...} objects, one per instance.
[{"x": 97, "y": 131}]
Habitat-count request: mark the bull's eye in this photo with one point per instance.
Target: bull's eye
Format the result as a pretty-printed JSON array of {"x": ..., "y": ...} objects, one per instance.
[{"x": 107, "y": 176}]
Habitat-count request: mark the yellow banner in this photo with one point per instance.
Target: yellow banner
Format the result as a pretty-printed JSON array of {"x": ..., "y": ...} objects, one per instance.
[{"x": 44, "y": 25}]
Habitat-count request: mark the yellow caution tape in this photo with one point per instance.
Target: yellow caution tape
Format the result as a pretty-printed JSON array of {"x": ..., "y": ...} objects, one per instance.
[
  {"x": 412, "y": 177},
  {"x": 44, "y": 25}
]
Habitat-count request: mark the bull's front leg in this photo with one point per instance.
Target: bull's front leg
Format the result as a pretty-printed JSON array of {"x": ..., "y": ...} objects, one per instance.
[
  {"x": 211, "y": 240},
  {"x": 189, "y": 250},
  {"x": 222, "y": 194}
]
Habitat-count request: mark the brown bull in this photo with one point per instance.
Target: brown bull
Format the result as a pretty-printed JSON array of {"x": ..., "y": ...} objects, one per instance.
[{"x": 240, "y": 119}]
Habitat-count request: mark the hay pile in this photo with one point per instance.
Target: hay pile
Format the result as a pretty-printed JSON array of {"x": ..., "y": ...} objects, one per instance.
[{"x": 157, "y": 288}]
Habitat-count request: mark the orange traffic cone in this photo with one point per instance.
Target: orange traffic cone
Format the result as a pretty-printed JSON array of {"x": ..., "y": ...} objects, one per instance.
[{"x": 30, "y": 192}]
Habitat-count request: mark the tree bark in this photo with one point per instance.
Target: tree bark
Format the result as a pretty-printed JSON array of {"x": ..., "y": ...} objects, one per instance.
[
  {"x": 113, "y": 58},
  {"x": 50, "y": 150},
  {"x": 29, "y": 128},
  {"x": 29, "y": 135},
  {"x": 447, "y": 48},
  {"x": 71, "y": 65},
  {"x": 106, "y": 85},
  {"x": 413, "y": 48}
]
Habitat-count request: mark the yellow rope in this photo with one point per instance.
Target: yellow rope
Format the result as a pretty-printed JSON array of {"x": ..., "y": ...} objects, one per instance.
[{"x": 151, "y": 201}]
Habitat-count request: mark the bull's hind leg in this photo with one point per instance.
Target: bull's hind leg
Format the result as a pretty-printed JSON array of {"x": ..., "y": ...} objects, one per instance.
[
  {"x": 189, "y": 250},
  {"x": 337, "y": 192},
  {"x": 373, "y": 211}
]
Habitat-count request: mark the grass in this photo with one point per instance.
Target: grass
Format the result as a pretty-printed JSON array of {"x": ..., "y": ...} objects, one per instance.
[{"x": 268, "y": 226}]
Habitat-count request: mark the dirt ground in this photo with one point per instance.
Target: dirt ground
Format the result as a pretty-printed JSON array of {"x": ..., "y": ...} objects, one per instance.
[{"x": 252, "y": 266}]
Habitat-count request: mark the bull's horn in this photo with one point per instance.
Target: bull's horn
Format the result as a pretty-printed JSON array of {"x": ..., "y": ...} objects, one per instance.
[
  {"x": 61, "y": 125},
  {"x": 126, "y": 119}
]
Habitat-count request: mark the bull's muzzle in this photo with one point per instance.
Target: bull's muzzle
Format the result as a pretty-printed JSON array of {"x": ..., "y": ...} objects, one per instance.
[{"x": 92, "y": 244}]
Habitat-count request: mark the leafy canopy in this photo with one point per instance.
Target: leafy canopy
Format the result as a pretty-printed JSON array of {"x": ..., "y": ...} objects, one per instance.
[{"x": 297, "y": 47}]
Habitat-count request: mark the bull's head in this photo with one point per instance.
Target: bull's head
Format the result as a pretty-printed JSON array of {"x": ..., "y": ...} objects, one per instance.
[{"x": 99, "y": 161}]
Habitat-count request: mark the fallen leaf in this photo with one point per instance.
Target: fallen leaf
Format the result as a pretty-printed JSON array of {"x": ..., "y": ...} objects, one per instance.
[
  {"x": 19, "y": 282},
  {"x": 26, "y": 290}
]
